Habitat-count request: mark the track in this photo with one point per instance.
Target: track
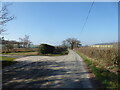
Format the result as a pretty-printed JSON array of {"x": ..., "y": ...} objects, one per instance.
[{"x": 47, "y": 72}]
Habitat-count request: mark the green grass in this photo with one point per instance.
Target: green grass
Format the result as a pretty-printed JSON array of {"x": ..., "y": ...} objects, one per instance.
[
  {"x": 108, "y": 79},
  {"x": 6, "y": 61}
]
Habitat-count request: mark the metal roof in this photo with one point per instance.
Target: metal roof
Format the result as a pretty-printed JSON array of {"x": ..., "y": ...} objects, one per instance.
[{"x": 105, "y": 44}]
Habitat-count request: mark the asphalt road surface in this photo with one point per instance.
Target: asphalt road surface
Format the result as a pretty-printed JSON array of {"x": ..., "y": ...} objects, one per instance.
[{"x": 66, "y": 71}]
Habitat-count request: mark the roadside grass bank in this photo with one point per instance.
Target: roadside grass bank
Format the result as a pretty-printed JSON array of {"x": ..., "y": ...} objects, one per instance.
[
  {"x": 108, "y": 80},
  {"x": 6, "y": 61}
]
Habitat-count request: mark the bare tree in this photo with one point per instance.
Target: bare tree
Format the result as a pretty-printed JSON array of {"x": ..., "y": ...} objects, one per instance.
[
  {"x": 25, "y": 41},
  {"x": 65, "y": 44},
  {"x": 71, "y": 43},
  {"x": 4, "y": 16}
]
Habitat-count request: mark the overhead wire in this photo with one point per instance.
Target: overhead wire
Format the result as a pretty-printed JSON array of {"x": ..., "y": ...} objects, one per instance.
[{"x": 87, "y": 18}]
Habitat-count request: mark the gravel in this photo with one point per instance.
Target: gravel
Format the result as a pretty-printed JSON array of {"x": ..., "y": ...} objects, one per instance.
[{"x": 47, "y": 72}]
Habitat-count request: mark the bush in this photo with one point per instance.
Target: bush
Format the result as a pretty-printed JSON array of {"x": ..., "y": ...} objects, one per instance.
[
  {"x": 60, "y": 50},
  {"x": 46, "y": 49}
]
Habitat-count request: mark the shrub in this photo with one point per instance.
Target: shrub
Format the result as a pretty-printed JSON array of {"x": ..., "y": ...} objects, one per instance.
[
  {"x": 46, "y": 49},
  {"x": 60, "y": 50}
]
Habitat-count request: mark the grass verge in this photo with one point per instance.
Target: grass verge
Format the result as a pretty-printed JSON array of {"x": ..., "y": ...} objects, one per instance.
[
  {"x": 6, "y": 61},
  {"x": 108, "y": 79}
]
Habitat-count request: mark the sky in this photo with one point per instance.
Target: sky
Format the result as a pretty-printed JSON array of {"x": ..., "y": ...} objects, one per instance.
[{"x": 53, "y": 22}]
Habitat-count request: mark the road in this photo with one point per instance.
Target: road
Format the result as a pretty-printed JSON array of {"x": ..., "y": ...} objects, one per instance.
[{"x": 66, "y": 71}]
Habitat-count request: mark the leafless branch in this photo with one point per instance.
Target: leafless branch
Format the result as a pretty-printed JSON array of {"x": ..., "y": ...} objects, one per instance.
[{"x": 4, "y": 16}]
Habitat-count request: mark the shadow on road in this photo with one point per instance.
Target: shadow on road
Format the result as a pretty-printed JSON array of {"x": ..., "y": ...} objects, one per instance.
[{"x": 45, "y": 74}]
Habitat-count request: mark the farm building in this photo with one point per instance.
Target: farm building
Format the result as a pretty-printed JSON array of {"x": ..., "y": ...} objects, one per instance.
[{"x": 109, "y": 45}]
